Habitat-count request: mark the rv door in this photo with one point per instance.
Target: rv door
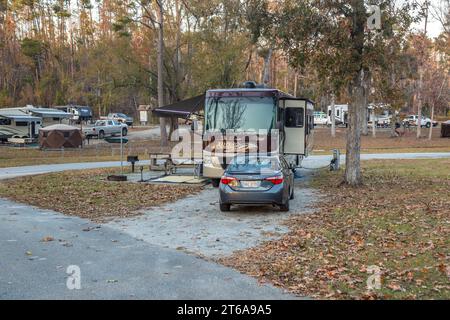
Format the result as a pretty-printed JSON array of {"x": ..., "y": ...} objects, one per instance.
[{"x": 295, "y": 126}]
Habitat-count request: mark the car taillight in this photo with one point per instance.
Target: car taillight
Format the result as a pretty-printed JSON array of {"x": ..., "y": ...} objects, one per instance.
[
  {"x": 275, "y": 180},
  {"x": 228, "y": 180}
]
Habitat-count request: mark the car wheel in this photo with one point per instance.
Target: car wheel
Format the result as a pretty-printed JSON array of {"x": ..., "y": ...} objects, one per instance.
[
  {"x": 285, "y": 206},
  {"x": 124, "y": 132},
  {"x": 101, "y": 135},
  {"x": 428, "y": 125},
  {"x": 215, "y": 183},
  {"x": 225, "y": 207},
  {"x": 292, "y": 194}
]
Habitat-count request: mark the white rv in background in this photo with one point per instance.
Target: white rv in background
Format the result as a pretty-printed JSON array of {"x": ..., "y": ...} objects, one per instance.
[
  {"x": 379, "y": 114},
  {"x": 16, "y": 124},
  {"x": 24, "y": 123},
  {"x": 341, "y": 114}
]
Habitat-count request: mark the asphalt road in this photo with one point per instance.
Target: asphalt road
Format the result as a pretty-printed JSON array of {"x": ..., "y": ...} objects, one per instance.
[
  {"x": 310, "y": 162},
  {"x": 113, "y": 265}
]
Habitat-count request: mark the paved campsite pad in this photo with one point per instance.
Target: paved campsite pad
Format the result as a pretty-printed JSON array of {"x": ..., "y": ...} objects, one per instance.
[
  {"x": 196, "y": 225},
  {"x": 37, "y": 246},
  {"x": 183, "y": 179}
]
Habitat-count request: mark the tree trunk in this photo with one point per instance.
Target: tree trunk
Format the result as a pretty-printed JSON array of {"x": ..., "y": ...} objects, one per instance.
[
  {"x": 162, "y": 121},
  {"x": 353, "y": 175},
  {"x": 295, "y": 83},
  {"x": 430, "y": 133},
  {"x": 419, "y": 105},
  {"x": 266, "y": 74},
  {"x": 365, "y": 111},
  {"x": 393, "y": 125},
  {"x": 333, "y": 116},
  {"x": 352, "y": 159}
]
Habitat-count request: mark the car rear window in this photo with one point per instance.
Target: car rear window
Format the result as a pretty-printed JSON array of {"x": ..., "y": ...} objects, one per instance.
[{"x": 254, "y": 164}]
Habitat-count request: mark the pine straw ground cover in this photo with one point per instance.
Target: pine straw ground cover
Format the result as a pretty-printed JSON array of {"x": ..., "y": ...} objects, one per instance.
[
  {"x": 88, "y": 194},
  {"x": 398, "y": 221}
]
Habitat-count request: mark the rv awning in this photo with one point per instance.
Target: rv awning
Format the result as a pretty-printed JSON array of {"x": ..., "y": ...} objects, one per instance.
[
  {"x": 15, "y": 117},
  {"x": 181, "y": 109},
  {"x": 51, "y": 114}
]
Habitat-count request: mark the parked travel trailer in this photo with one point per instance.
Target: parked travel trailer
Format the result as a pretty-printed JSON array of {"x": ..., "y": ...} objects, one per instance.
[
  {"x": 341, "y": 114},
  {"x": 16, "y": 124},
  {"x": 49, "y": 116},
  {"x": 78, "y": 113},
  {"x": 320, "y": 118},
  {"x": 24, "y": 123},
  {"x": 379, "y": 114},
  {"x": 248, "y": 110}
]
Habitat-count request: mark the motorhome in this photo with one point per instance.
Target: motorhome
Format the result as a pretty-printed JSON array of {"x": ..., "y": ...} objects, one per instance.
[
  {"x": 278, "y": 122},
  {"x": 341, "y": 114},
  {"x": 16, "y": 124}
]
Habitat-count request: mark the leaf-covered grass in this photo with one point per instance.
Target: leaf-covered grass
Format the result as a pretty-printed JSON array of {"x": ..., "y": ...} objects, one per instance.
[
  {"x": 96, "y": 151},
  {"x": 382, "y": 143},
  {"x": 88, "y": 194},
  {"x": 398, "y": 221}
]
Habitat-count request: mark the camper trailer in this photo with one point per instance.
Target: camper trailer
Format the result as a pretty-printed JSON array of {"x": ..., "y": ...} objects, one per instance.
[
  {"x": 15, "y": 124},
  {"x": 49, "y": 116},
  {"x": 78, "y": 113},
  {"x": 379, "y": 114},
  {"x": 279, "y": 123},
  {"x": 341, "y": 114}
]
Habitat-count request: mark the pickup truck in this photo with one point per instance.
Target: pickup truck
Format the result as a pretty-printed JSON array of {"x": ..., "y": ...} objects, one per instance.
[
  {"x": 104, "y": 128},
  {"x": 120, "y": 117},
  {"x": 413, "y": 120}
]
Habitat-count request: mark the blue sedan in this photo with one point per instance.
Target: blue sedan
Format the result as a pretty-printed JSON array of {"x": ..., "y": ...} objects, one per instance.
[{"x": 257, "y": 180}]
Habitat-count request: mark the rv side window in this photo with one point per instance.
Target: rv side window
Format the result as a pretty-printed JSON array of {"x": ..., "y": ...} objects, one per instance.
[
  {"x": 21, "y": 124},
  {"x": 5, "y": 122},
  {"x": 295, "y": 117},
  {"x": 337, "y": 112}
]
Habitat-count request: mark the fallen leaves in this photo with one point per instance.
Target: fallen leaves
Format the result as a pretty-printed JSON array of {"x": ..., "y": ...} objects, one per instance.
[
  {"x": 398, "y": 221},
  {"x": 87, "y": 194}
]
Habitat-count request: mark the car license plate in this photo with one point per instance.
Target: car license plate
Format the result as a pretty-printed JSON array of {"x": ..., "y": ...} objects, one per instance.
[{"x": 250, "y": 184}]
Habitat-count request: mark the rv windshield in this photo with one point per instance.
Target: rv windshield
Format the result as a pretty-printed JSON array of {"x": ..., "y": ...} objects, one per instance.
[{"x": 240, "y": 113}]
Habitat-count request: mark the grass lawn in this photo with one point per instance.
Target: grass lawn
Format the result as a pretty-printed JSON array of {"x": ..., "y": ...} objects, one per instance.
[
  {"x": 399, "y": 221},
  {"x": 88, "y": 194},
  {"x": 382, "y": 143},
  {"x": 13, "y": 157}
]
